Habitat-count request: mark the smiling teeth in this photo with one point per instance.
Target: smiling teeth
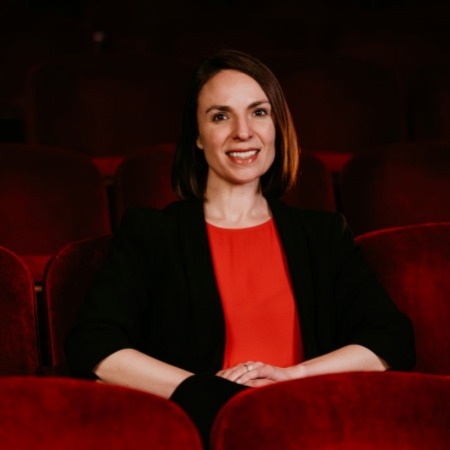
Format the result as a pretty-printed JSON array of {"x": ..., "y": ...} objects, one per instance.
[{"x": 243, "y": 155}]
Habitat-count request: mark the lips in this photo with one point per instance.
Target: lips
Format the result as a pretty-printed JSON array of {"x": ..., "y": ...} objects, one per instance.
[{"x": 243, "y": 155}]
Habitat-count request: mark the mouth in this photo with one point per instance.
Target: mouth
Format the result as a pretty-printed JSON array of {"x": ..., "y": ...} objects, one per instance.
[{"x": 243, "y": 156}]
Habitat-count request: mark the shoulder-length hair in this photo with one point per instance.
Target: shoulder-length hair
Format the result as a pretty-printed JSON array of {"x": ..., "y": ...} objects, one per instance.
[{"x": 190, "y": 169}]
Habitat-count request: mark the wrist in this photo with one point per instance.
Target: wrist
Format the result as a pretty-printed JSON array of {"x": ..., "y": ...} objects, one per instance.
[{"x": 298, "y": 371}]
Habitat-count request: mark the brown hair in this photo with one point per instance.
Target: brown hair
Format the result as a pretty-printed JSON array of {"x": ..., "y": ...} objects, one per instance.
[{"x": 190, "y": 169}]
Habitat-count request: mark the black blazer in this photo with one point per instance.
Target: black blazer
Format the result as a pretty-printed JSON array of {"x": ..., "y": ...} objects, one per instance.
[{"x": 157, "y": 292}]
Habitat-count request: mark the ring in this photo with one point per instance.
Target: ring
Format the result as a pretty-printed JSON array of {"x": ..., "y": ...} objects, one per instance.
[{"x": 248, "y": 367}]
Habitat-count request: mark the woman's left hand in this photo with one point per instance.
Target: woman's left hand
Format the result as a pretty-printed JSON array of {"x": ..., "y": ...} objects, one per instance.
[{"x": 256, "y": 374}]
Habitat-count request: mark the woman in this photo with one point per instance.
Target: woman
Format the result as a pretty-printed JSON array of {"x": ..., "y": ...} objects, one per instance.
[{"x": 229, "y": 288}]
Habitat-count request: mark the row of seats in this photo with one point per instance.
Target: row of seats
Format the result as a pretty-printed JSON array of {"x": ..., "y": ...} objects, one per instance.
[
  {"x": 401, "y": 39},
  {"x": 411, "y": 262},
  {"x": 355, "y": 410},
  {"x": 50, "y": 197},
  {"x": 100, "y": 105},
  {"x": 393, "y": 411}
]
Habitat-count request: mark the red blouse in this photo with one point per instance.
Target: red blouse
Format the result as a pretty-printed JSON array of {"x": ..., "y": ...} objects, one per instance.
[{"x": 261, "y": 320}]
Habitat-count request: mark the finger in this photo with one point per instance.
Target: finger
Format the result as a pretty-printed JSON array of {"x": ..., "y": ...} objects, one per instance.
[
  {"x": 233, "y": 373},
  {"x": 249, "y": 365},
  {"x": 260, "y": 382},
  {"x": 227, "y": 374},
  {"x": 241, "y": 369},
  {"x": 252, "y": 372}
]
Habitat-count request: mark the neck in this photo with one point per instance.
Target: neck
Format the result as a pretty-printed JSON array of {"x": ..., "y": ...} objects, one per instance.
[{"x": 240, "y": 207}]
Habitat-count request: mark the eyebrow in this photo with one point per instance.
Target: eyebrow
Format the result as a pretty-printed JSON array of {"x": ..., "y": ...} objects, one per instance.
[{"x": 228, "y": 108}]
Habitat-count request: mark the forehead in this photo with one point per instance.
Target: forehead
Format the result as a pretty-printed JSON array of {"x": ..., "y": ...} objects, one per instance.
[{"x": 229, "y": 85}]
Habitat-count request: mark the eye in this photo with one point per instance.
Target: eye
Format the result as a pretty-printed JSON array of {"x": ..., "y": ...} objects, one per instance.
[
  {"x": 219, "y": 117},
  {"x": 261, "y": 112}
]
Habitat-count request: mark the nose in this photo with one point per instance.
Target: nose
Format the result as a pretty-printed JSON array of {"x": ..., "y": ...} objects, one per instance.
[{"x": 243, "y": 129}]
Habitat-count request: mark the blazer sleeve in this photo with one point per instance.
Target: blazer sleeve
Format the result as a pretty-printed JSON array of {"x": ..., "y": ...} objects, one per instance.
[
  {"x": 366, "y": 315},
  {"x": 109, "y": 319}
]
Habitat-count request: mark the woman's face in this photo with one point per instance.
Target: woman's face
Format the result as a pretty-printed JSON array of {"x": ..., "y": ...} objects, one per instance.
[{"x": 236, "y": 129}]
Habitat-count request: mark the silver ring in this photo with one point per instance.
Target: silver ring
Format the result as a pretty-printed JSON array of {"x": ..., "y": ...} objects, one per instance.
[{"x": 248, "y": 367}]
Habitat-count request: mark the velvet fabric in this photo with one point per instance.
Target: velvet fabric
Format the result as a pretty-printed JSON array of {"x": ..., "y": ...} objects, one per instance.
[
  {"x": 413, "y": 264},
  {"x": 395, "y": 185},
  {"x": 30, "y": 35},
  {"x": 106, "y": 104},
  {"x": 394, "y": 40},
  {"x": 347, "y": 411},
  {"x": 48, "y": 198},
  {"x": 66, "y": 414},
  {"x": 429, "y": 102},
  {"x": 314, "y": 186},
  {"x": 18, "y": 331},
  {"x": 66, "y": 282},
  {"x": 337, "y": 102},
  {"x": 143, "y": 179}
]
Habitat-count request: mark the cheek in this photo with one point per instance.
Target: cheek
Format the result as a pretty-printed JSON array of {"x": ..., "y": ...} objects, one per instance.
[
  {"x": 210, "y": 138},
  {"x": 268, "y": 134},
  {"x": 270, "y": 139}
]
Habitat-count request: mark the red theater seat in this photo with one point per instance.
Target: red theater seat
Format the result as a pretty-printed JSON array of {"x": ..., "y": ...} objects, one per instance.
[
  {"x": 413, "y": 265},
  {"x": 314, "y": 188},
  {"x": 401, "y": 39},
  {"x": 396, "y": 185},
  {"x": 18, "y": 320},
  {"x": 106, "y": 105},
  {"x": 67, "y": 414},
  {"x": 144, "y": 179},
  {"x": 48, "y": 198},
  {"x": 429, "y": 103},
  {"x": 348, "y": 411},
  {"x": 341, "y": 105},
  {"x": 67, "y": 279},
  {"x": 27, "y": 37}
]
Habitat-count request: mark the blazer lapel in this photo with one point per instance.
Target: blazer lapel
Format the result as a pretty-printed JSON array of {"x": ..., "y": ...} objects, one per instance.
[
  {"x": 295, "y": 247},
  {"x": 206, "y": 308}
]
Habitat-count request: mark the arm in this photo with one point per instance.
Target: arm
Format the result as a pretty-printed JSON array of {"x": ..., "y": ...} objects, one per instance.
[
  {"x": 346, "y": 359},
  {"x": 109, "y": 339},
  {"x": 131, "y": 368},
  {"x": 366, "y": 331}
]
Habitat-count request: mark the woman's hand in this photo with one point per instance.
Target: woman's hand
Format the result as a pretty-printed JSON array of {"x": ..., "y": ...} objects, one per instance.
[
  {"x": 346, "y": 359},
  {"x": 256, "y": 374}
]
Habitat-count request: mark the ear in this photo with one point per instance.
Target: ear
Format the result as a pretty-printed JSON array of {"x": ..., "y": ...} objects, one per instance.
[{"x": 199, "y": 144}]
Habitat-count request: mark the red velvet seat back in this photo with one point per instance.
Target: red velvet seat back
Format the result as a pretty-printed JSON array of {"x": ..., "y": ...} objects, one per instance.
[
  {"x": 337, "y": 103},
  {"x": 350, "y": 411},
  {"x": 66, "y": 282},
  {"x": 396, "y": 185},
  {"x": 106, "y": 104},
  {"x": 413, "y": 264},
  {"x": 144, "y": 179},
  {"x": 48, "y": 198},
  {"x": 314, "y": 188},
  {"x": 18, "y": 329},
  {"x": 67, "y": 414},
  {"x": 404, "y": 40},
  {"x": 429, "y": 102},
  {"x": 29, "y": 36}
]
